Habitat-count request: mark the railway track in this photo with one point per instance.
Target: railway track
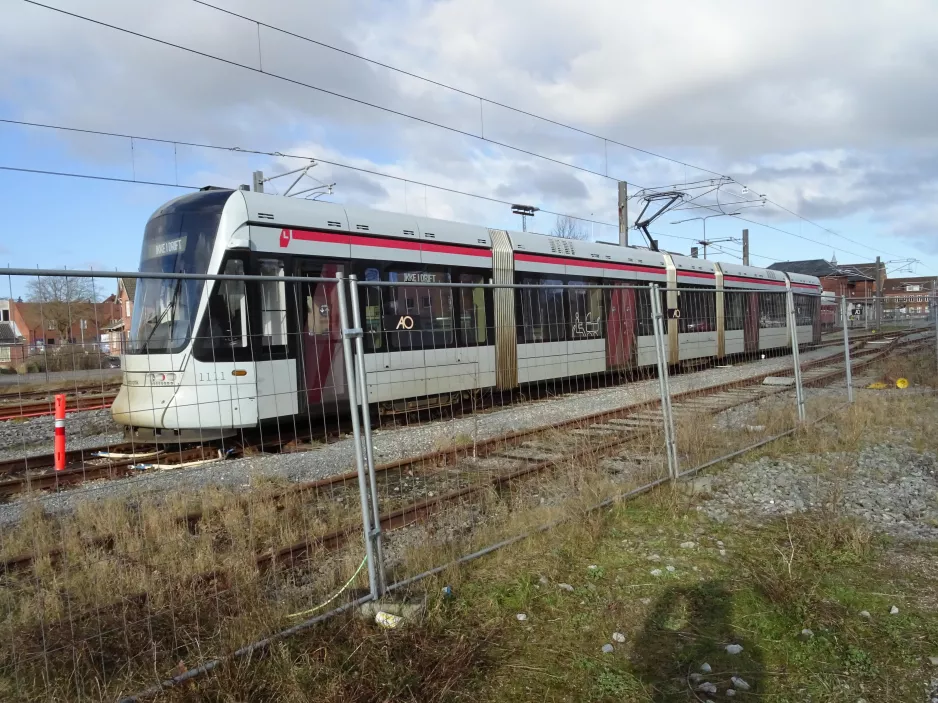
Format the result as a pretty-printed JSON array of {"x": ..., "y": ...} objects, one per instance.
[
  {"x": 496, "y": 461},
  {"x": 37, "y": 404},
  {"x": 522, "y": 454},
  {"x": 35, "y": 473},
  {"x": 16, "y": 391},
  {"x": 18, "y": 405}
]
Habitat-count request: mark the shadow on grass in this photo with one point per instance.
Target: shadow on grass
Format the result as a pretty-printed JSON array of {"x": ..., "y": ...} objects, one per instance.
[{"x": 691, "y": 626}]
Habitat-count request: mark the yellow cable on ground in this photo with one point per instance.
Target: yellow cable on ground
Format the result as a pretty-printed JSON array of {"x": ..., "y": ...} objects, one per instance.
[{"x": 341, "y": 591}]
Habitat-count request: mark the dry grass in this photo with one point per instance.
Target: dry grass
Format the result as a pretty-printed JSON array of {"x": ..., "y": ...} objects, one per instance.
[
  {"x": 131, "y": 577},
  {"x": 135, "y": 593}
]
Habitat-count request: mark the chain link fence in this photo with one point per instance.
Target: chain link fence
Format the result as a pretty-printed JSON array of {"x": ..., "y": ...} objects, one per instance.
[{"x": 290, "y": 447}]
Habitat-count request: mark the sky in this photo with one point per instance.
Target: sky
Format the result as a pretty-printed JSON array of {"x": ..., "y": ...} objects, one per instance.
[{"x": 826, "y": 109}]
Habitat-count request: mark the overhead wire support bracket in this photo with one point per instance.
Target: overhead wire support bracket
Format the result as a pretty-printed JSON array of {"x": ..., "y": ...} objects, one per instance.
[{"x": 321, "y": 189}]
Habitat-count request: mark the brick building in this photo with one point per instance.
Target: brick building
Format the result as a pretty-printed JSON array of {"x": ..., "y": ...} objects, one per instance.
[
  {"x": 848, "y": 280},
  {"x": 51, "y": 324},
  {"x": 871, "y": 271},
  {"x": 114, "y": 333},
  {"x": 12, "y": 348},
  {"x": 909, "y": 294}
]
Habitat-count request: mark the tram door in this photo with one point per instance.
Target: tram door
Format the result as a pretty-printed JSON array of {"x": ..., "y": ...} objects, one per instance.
[
  {"x": 620, "y": 329},
  {"x": 322, "y": 365},
  {"x": 751, "y": 322}
]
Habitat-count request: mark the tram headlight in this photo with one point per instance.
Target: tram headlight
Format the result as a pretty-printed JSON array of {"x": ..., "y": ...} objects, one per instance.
[{"x": 162, "y": 379}]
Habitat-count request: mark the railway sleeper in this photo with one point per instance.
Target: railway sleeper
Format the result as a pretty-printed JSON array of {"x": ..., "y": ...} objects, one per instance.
[{"x": 636, "y": 423}]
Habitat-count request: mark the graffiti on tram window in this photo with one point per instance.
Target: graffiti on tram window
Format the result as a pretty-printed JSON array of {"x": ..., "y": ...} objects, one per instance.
[
  {"x": 586, "y": 312},
  {"x": 586, "y": 328}
]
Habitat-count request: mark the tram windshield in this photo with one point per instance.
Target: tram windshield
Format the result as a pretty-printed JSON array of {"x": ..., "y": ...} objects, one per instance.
[{"x": 178, "y": 239}]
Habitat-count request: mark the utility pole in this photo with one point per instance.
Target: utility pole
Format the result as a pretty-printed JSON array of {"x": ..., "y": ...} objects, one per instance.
[
  {"x": 745, "y": 247},
  {"x": 704, "y": 242},
  {"x": 525, "y": 211},
  {"x": 877, "y": 291},
  {"x": 623, "y": 214},
  {"x": 258, "y": 181}
]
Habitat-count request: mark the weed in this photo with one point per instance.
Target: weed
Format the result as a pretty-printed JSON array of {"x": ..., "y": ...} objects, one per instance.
[{"x": 614, "y": 685}]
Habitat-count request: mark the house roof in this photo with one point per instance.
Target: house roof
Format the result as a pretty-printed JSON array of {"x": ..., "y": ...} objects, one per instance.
[
  {"x": 129, "y": 285},
  {"x": 7, "y": 333},
  {"x": 810, "y": 267},
  {"x": 867, "y": 269},
  {"x": 113, "y": 326},
  {"x": 898, "y": 285},
  {"x": 821, "y": 269},
  {"x": 31, "y": 314}
]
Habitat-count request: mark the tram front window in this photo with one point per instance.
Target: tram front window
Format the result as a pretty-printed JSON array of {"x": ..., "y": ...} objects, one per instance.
[{"x": 178, "y": 239}]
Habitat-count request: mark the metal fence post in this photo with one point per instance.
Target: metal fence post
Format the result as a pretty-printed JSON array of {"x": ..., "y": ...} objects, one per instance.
[
  {"x": 935, "y": 306},
  {"x": 348, "y": 334},
  {"x": 663, "y": 384},
  {"x": 847, "y": 365},
  {"x": 362, "y": 387},
  {"x": 796, "y": 360}
]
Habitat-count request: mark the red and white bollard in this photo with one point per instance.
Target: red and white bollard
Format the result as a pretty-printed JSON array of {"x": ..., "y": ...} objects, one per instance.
[{"x": 60, "y": 432}]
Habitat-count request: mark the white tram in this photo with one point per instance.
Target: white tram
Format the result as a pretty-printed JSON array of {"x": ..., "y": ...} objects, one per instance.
[{"x": 206, "y": 358}]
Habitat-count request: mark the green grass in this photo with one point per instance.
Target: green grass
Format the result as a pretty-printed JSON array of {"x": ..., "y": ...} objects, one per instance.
[{"x": 814, "y": 572}]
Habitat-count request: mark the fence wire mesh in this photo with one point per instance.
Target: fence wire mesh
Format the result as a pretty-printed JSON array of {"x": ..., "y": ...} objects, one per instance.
[
  {"x": 238, "y": 512},
  {"x": 250, "y": 492}
]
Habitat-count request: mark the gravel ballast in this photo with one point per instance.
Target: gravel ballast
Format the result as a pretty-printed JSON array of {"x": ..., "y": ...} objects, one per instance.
[
  {"x": 891, "y": 486},
  {"x": 389, "y": 444},
  {"x": 91, "y": 428}
]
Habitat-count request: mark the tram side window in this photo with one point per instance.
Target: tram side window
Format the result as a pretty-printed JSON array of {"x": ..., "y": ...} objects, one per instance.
[
  {"x": 541, "y": 311},
  {"x": 586, "y": 312},
  {"x": 698, "y": 310},
  {"x": 372, "y": 301},
  {"x": 226, "y": 325},
  {"x": 472, "y": 318},
  {"x": 419, "y": 317},
  {"x": 804, "y": 309},
  {"x": 273, "y": 305},
  {"x": 772, "y": 310},
  {"x": 735, "y": 310},
  {"x": 646, "y": 326}
]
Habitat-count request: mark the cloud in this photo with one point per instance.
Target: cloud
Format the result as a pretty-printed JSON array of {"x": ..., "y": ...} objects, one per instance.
[{"x": 832, "y": 117}]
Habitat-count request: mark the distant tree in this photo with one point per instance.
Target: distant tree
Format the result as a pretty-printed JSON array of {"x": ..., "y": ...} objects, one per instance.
[
  {"x": 65, "y": 301},
  {"x": 568, "y": 227}
]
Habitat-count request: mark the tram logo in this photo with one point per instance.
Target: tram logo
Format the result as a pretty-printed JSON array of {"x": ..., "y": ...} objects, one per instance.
[
  {"x": 284, "y": 238},
  {"x": 406, "y": 322}
]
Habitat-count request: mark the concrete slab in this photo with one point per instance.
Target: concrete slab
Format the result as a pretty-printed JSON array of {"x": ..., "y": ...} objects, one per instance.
[{"x": 779, "y": 381}]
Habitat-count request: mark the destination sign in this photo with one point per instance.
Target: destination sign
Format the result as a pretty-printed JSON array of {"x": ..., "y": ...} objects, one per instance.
[{"x": 166, "y": 248}]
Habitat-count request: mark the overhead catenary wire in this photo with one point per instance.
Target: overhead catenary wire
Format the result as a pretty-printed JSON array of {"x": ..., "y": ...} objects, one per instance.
[
  {"x": 190, "y": 187},
  {"x": 520, "y": 111},
  {"x": 399, "y": 113},
  {"x": 46, "y": 172},
  {"x": 338, "y": 164},
  {"x": 461, "y": 91},
  {"x": 779, "y": 229},
  {"x": 320, "y": 89},
  {"x": 256, "y": 152},
  {"x": 826, "y": 229}
]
